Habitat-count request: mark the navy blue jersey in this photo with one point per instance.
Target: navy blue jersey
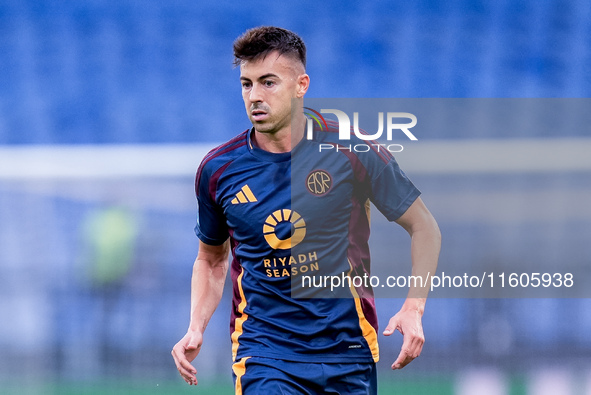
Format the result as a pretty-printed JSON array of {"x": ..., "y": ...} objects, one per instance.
[{"x": 295, "y": 214}]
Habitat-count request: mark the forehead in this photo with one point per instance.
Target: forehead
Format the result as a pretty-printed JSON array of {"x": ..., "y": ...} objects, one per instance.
[{"x": 272, "y": 63}]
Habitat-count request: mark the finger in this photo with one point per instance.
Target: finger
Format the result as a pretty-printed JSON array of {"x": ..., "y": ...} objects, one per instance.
[
  {"x": 392, "y": 324},
  {"x": 411, "y": 348},
  {"x": 186, "y": 370},
  {"x": 406, "y": 352},
  {"x": 188, "y": 375},
  {"x": 416, "y": 344},
  {"x": 178, "y": 361},
  {"x": 419, "y": 347},
  {"x": 193, "y": 344},
  {"x": 403, "y": 359},
  {"x": 191, "y": 347}
]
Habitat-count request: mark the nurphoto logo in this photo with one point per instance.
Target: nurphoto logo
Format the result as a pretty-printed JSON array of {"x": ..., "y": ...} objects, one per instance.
[{"x": 344, "y": 126}]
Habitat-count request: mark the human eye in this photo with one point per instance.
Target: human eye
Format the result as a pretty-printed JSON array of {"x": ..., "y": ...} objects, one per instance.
[
  {"x": 246, "y": 84},
  {"x": 269, "y": 83}
]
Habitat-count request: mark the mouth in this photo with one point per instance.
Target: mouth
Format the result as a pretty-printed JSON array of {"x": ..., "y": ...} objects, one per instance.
[{"x": 258, "y": 115}]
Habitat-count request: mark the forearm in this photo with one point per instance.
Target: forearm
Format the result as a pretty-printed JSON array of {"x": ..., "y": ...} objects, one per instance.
[
  {"x": 425, "y": 247},
  {"x": 207, "y": 284}
]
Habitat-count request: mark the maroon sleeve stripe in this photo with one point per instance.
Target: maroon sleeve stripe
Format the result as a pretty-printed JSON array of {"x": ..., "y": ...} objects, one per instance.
[
  {"x": 236, "y": 142},
  {"x": 213, "y": 181}
]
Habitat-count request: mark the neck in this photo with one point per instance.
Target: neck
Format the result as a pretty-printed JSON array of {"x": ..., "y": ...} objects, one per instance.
[{"x": 283, "y": 140}]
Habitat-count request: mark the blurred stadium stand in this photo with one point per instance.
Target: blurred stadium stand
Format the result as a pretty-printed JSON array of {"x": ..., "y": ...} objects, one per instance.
[
  {"x": 151, "y": 74},
  {"x": 160, "y": 72}
]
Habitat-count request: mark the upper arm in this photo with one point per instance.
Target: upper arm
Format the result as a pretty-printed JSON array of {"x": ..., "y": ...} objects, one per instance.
[
  {"x": 215, "y": 255},
  {"x": 211, "y": 227}
]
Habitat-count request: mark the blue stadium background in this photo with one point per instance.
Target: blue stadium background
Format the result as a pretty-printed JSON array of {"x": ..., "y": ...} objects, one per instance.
[{"x": 103, "y": 72}]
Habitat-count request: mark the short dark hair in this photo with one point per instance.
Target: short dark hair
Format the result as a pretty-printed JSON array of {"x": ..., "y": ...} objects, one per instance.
[{"x": 260, "y": 41}]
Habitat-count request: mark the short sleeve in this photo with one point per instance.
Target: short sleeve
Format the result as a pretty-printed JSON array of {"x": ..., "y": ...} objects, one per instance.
[
  {"x": 211, "y": 227},
  {"x": 392, "y": 191}
]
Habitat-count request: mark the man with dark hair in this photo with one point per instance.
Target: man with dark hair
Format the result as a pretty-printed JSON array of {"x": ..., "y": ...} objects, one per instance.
[
  {"x": 259, "y": 42},
  {"x": 250, "y": 203}
]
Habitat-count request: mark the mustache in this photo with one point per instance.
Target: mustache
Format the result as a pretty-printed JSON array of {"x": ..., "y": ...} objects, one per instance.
[{"x": 258, "y": 106}]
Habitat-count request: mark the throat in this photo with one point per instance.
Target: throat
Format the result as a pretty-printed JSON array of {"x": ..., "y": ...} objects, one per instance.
[{"x": 277, "y": 143}]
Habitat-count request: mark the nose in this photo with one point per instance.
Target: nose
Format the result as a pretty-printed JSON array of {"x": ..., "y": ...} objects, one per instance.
[{"x": 255, "y": 94}]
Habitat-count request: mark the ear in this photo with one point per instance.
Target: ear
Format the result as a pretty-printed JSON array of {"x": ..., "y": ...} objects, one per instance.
[{"x": 302, "y": 85}]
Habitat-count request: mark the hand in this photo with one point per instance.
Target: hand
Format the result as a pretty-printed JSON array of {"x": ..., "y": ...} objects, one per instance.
[
  {"x": 184, "y": 352},
  {"x": 407, "y": 322}
]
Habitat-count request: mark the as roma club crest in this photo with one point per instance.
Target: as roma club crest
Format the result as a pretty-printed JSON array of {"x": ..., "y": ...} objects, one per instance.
[{"x": 318, "y": 182}]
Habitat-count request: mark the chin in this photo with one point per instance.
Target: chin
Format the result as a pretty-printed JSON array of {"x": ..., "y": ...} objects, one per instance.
[{"x": 263, "y": 128}]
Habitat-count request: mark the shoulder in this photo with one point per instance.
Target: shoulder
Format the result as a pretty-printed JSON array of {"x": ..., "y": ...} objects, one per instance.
[
  {"x": 224, "y": 153},
  {"x": 221, "y": 156}
]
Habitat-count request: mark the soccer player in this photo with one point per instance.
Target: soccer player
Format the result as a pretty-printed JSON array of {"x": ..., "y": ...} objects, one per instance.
[{"x": 285, "y": 211}]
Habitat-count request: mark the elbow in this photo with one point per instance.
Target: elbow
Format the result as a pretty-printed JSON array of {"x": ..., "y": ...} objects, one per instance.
[
  {"x": 436, "y": 231},
  {"x": 428, "y": 230}
]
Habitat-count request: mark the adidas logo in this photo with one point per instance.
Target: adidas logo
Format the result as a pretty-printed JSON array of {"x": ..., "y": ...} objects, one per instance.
[{"x": 245, "y": 195}]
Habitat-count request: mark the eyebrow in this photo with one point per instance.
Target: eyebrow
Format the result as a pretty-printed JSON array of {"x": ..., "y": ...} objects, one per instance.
[{"x": 262, "y": 77}]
